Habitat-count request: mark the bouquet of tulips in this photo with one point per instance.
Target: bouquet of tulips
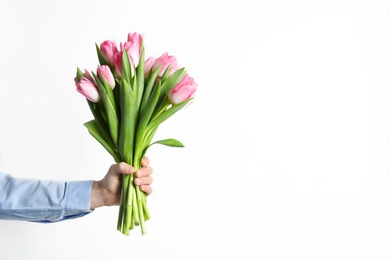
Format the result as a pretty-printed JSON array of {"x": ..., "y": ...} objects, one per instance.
[{"x": 129, "y": 97}]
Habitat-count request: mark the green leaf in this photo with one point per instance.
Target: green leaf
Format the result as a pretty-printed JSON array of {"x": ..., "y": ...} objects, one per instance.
[
  {"x": 126, "y": 68},
  {"x": 149, "y": 88},
  {"x": 79, "y": 74},
  {"x": 169, "y": 142},
  {"x": 128, "y": 121},
  {"x": 146, "y": 114},
  {"x": 144, "y": 119},
  {"x": 102, "y": 138},
  {"x": 165, "y": 73},
  {"x": 172, "y": 81},
  {"x": 167, "y": 85},
  {"x": 108, "y": 100},
  {"x": 140, "y": 74},
  {"x": 104, "y": 87},
  {"x": 146, "y": 140},
  {"x": 155, "y": 122},
  {"x": 99, "y": 113}
]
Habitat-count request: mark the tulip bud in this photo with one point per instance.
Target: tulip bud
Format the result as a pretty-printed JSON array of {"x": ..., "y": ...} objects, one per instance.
[
  {"x": 166, "y": 60},
  {"x": 184, "y": 90},
  {"x": 104, "y": 72},
  {"x": 88, "y": 88},
  {"x": 133, "y": 47},
  {"x": 108, "y": 49},
  {"x": 148, "y": 65},
  {"x": 118, "y": 63}
]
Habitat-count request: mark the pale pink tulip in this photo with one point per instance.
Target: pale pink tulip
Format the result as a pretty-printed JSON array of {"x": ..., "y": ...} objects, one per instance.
[
  {"x": 88, "y": 88},
  {"x": 133, "y": 47},
  {"x": 118, "y": 63},
  {"x": 133, "y": 50},
  {"x": 109, "y": 49},
  {"x": 104, "y": 72},
  {"x": 148, "y": 65},
  {"x": 184, "y": 90},
  {"x": 166, "y": 60}
]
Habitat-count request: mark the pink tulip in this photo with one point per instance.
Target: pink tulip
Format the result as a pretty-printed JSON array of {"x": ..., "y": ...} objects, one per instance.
[
  {"x": 148, "y": 65},
  {"x": 133, "y": 47},
  {"x": 184, "y": 90},
  {"x": 109, "y": 49},
  {"x": 118, "y": 63},
  {"x": 88, "y": 87},
  {"x": 166, "y": 60},
  {"x": 104, "y": 72}
]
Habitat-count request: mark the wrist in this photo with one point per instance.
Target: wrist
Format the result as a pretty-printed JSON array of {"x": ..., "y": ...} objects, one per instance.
[{"x": 96, "y": 195}]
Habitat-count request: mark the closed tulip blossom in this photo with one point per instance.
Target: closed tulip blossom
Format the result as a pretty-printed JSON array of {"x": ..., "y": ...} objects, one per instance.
[
  {"x": 133, "y": 47},
  {"x": 104, "y": 72},
  {"x": 109, "y": 49},
  {"x": 88, "y": 88},
  {"x": 148, "y": 65},
  {"x": 184, "y": 90},
  {"x": 166, "y": 61},
  {"x": 118, "y": 62}
]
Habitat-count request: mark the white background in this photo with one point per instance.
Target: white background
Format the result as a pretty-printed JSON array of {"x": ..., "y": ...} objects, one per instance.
[{"x": 287, "y": 143}]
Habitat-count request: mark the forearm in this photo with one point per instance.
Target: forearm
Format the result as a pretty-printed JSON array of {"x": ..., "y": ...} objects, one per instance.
[{"x": 43, "y": 201}]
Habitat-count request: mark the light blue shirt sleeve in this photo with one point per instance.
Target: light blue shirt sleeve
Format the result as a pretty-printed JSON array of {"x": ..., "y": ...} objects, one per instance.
[{"x": 43, "y": 200}]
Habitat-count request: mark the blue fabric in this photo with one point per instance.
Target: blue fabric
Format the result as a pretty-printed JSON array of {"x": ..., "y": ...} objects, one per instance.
[{"x": 43, "y": 200}]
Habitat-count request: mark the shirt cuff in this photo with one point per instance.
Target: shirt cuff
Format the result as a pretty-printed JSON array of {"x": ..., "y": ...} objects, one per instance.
[{"x": 78, "y": 197}]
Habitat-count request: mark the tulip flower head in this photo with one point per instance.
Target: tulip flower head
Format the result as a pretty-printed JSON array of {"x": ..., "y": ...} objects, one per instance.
[
  {"x": 184, "y": 90},
  {"x": 166, "y": 61},
  {"x": 148, "y": 65},
  {"x": 133, "y": 48},
  {"x": 87, "y": 87},
  {"x": 104, "y": 73},
  {"x": 109, "y": 49}
]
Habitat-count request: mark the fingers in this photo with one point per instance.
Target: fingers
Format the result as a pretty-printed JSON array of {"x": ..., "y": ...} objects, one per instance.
[
  {"x": 125, "y": 168},
  {"x": 144, "y": 180},
  {"x": 143, "y": 172},
  {"x": 146, "y": 188},
  {"x": 120, "y": 168},
  {"x": 145, "y": 161},
  {"x": 142, "y": 176}
]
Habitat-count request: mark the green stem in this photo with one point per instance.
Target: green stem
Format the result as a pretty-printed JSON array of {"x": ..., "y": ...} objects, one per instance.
[
  {"x": 141, "y": 211},
  {"x": 129, "y": 204},
  {"x": 135, "y": 205},
  {"x": 123, "y": 203},
  {"x": 139, "y": 193},
  {"x": 146, "y": 211}
]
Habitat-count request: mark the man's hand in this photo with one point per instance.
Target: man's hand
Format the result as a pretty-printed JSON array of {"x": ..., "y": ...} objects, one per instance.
[{"x": 106, "y": 192}]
